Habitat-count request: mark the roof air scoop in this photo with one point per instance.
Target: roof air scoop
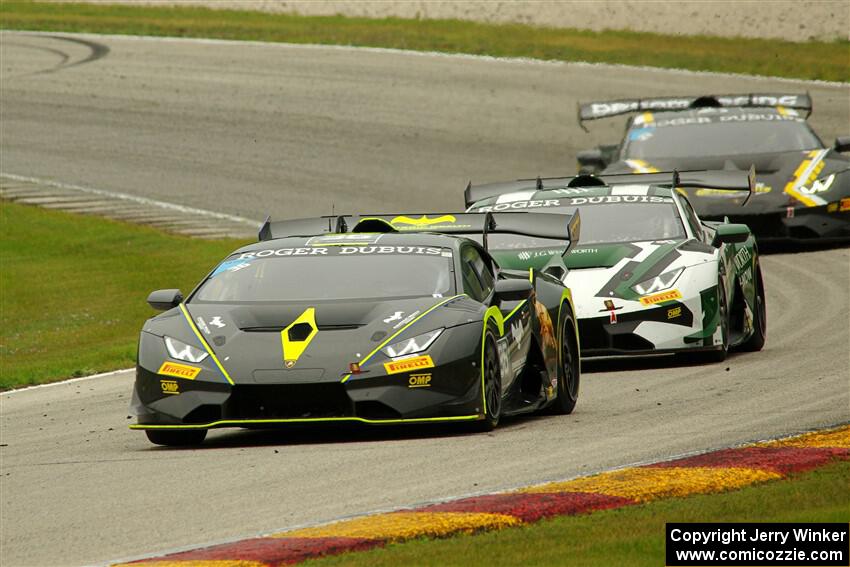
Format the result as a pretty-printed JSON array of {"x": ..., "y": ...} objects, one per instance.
[
  {"x": 706, "y": 102},
  {"x": 373, "y": 225},
  {"x": 586, "y": 181}
]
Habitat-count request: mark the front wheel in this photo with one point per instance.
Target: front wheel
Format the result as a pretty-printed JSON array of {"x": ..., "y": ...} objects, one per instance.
[
  {"x": 176, "y": 438},
  {"x": 492, "y": 383},
  {"x": 569, "y": 368},
  {"x": 719, "y": 355}
]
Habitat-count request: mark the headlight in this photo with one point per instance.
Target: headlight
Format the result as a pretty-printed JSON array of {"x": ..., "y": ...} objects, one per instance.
[
  {"x": 658, "y": 283},
  {"x": 411, "y": 346},
  {"x": 182, "y": 351}
]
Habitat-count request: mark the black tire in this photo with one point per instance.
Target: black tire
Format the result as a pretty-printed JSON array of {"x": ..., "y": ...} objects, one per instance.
[
  {"x": 176, "y": 438},
  {"x": 756, "y": 341},
  {"x": 719, "y": 355},
  {"x": 569, "y": 368},
  {"x": 492, "y": 395}
]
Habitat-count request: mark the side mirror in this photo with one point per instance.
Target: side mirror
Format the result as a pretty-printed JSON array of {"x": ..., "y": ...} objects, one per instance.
[
  {"x": 590, "y": 161},
  {"x": 514, "y": 289},
  {"x": 730, "y": 234},
  {"x": 165, "y": 299},
  {"x": 842, "y": 144}
]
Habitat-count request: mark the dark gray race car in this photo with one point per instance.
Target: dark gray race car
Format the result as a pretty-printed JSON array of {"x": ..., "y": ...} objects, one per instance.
[
  {"x": 803, "y": 186},
  {"x": 360, "y": 323}
]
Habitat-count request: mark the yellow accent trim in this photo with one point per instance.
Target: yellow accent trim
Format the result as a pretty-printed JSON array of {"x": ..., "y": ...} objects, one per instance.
[
  {"x": 491, "y": 313},
  {"x": 409, "y": 364},
  {"x": 179, "y": 370},
  {"x": 423, "y": 220},
  {"x": 515, "y": 309},
  {"x": 207, "y": 347},
  {"x": 782, "y": 110},
  {"x": 400, "y": 331},
  {"x": 814, "y": 168},
  {"x": 238, "y": 422},
  {"x": 292, "y": 350},
  {"x": 648, "y": 117},
  {"x": 805, "y": 199}
]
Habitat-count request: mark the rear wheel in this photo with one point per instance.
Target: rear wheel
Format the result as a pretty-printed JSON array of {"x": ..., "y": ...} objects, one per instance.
[
  {"x": 176, "y": 438},
  {"x": 569, "y": 368},
  {"x": 756, "y": 341},
  {"x": 492, "y": 376}
]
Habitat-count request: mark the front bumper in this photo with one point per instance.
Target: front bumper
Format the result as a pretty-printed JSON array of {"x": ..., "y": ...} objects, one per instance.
[
  {"x": 673, "y": 327},
  {"x": 449, "y": 391}
]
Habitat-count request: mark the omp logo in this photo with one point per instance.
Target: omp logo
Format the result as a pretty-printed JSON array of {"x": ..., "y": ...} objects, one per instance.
[
  {"x": 419, "y": 381},
  {"x": 169, "y": 386},
  {"x": 661, "y": 297},
  {"x": 408, "y": 364},
  {"x": 673, "y": 313},
  {"x": 424, "y": 220},
  {"x": 179, "y": 370}
]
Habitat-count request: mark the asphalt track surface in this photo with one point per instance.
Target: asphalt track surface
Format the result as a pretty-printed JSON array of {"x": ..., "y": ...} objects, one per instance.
[{"x": 255, "y": 129}]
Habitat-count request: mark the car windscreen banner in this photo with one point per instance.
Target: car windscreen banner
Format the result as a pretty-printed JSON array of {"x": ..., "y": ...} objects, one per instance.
[{"x": 604, "y": 109}]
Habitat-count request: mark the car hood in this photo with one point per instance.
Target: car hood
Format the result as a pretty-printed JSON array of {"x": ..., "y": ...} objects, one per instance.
[
  {"x": 775, "y": 173},
  {"x": 607, "y": 271},
  {"x": 248, "y": 341}
]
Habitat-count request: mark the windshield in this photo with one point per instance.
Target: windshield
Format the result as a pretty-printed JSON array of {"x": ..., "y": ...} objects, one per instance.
[
  {"x": 316, "y": 274},
  {"x": 718, "y": 139},
  {"x": 601, "y": 223}
]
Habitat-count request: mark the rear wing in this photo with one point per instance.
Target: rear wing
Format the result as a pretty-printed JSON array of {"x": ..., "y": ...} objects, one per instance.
[
  {"x": 543, "y": 225},
  {"x": 722, "y": 180},
  {"x": 606, "y": 109}
]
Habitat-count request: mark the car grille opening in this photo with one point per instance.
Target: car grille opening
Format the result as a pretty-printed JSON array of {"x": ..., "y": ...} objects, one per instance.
[
  {"x": 289, "y": 401},
  {"x": 373, "y": 409},
  {"x": 592, "y": 334}
]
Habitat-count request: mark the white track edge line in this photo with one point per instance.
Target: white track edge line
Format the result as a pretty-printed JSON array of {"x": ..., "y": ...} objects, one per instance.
[
  {"x": 64, "y": 382},
  {"x": 378, "y": 511},
  {"x": 128, "y": 197},
  {"x": 436, "y": 54}
]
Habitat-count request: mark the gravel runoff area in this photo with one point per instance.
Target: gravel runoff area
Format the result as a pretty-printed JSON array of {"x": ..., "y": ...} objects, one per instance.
[{"x": 800, "y": 20}]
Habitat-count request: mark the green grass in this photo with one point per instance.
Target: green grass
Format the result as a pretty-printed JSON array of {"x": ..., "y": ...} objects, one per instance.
[
  {"x": 73, "y": 289},
  {"x": 631, "y": 536},
  {"x": 809, "y": 60}
]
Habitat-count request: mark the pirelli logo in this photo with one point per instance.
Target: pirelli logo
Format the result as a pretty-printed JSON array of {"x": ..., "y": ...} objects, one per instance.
[
  {"x": 409, "y": 364},
  {"x": 179, "y": 370},
  {"x": 661, "y": 297}
]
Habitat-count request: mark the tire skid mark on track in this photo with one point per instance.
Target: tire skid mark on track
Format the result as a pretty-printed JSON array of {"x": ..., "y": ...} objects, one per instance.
[
  {"x": 95, "y": 49},
  {"x": 437, "y": 54},
  {"x": 707, "y": 473}
]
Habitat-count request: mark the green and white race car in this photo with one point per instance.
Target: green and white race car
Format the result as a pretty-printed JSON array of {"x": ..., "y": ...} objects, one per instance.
[{"x": 648, "y": 276}]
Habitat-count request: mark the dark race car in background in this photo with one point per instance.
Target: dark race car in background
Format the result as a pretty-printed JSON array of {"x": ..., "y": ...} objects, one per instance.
[
  {"x": 361, "y": 325},
  {"x": 803, "y": 186},
  {"x": 649, "y": 276}
]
